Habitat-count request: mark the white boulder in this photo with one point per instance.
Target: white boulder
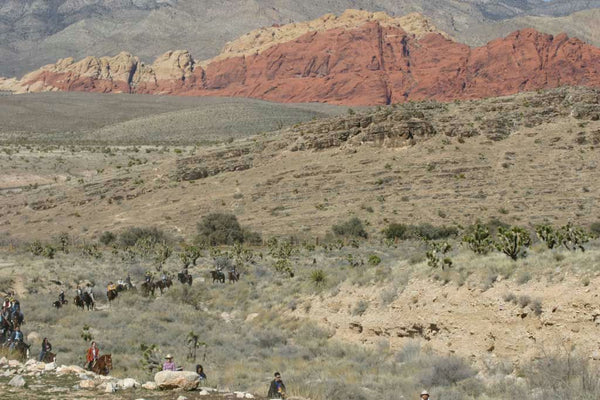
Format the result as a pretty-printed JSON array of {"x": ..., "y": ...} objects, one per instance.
[
  {"x": 186, "y": 380},
  {"x": 17, "y": 381},
  {"x": 128, "y": 383}
]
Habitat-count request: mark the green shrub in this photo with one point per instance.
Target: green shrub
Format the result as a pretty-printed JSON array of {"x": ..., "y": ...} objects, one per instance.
[
  {"x": 446, "y": 371},
  {"x": 318, "y": 277},
  {"x": 374, "y": 260},
  {"x": 360, "y": 308},
  {"x": 107, "y": 238},
  {"x": 513, "y": 241},
  {"x": 218, "y": 228},
  {"x": 595, "y": 229},
  {"x": 422, "y": 231},
  {"x": 131, "y": 236},
  {"x": 351, "y": 228}
]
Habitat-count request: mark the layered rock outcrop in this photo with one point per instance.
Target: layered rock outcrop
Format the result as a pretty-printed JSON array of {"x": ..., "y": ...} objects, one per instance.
[{"x": 374, "y": 63}]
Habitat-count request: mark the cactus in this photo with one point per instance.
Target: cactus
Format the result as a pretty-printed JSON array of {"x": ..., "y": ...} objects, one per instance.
[
  {"x": 549, "y": 235},
  {"x": 478, "y": 239},
  {"x": 513, "y": 241},
  {"x": 436, "y": 255},
  {"x": 573, "y": 237}
]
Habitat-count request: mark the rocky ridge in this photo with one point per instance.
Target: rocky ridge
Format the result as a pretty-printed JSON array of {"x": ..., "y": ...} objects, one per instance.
[
  {"x": 259, "y": 40},
  {"x": 368, "y": 65}
]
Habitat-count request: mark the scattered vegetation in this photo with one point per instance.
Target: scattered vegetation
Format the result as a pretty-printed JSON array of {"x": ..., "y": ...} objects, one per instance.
[{"x": 422, "y": 231}]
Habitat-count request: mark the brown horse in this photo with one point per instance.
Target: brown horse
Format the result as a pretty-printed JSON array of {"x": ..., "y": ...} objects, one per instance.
[
  {"x": 162, "y": 285},
  {"x": 103, "y": 365},
  {"x": 148, "y": 288},
  {"x": 234, "y": 276},
  {"x": 111, "y": 295},
  {"x": 49, "y": 357}
]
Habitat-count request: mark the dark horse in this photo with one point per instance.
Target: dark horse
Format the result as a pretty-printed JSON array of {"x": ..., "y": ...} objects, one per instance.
[
  {"x": 185, "y": 278},
  {"x": 78, "y": 301},
  {"x": 233, "y": 276},
  {"x": 59, "y": 303},
  {"x": 112, "y": 294},
  {"x": 103, "y": 365},
  {"x": 217, "y": 276},
  {"x": 89, "y": 302},
  {"x": 49, "y": 357}
]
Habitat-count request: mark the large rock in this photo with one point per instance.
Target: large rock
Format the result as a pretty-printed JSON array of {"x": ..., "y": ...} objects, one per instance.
[
  {"x": 186, "y": 380},
  {"x": 17, "y": 381},
  {"x": 375, "y": 62}
]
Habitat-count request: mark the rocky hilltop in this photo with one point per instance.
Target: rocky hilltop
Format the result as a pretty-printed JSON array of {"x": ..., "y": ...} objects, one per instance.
[
  {"x": 37, "y": 32},
  {"x": 372, "y": 61}
]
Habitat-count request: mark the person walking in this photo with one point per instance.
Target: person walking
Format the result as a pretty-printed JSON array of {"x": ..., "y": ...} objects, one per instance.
[{"x": 277, "y": 388}]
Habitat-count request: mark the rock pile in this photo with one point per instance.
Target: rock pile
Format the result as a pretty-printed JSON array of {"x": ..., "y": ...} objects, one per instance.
[{"x": 29, "y": 375}]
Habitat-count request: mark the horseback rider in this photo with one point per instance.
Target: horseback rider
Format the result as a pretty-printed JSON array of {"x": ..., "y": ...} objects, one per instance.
[
  {"x": 89, "y": 291},
  {"x": 46, "y": 347},
  {"x": 169, "y": 365},
  {"x": 128, "y": 282},
  {"x": 93, "y": 353},
  {"x": 111, "y": 286},
  {"x": 61, "y": 297},
  {"x": 164, "y": 278},
  {"x": 16, "y": 337},
  {"x": 79, "y": 292},
  {"x": 148, "y": 276}
]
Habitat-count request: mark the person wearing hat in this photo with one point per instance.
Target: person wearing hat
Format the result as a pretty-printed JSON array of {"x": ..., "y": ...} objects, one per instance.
[
  {"x": 424, "y": 395},
  {"x": 169, "y": 365}
]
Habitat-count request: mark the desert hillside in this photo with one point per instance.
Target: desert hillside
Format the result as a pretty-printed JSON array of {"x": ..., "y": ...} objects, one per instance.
[
  {"x": 374, "y": 245},
  {"x": 526, "y": 158}
]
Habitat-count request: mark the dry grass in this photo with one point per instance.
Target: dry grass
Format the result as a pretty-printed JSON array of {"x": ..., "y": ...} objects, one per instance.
[{"x": 265, "y": 322}]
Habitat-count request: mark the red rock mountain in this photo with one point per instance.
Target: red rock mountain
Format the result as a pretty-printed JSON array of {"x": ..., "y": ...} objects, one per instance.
[{"x": 366, "y": 65}]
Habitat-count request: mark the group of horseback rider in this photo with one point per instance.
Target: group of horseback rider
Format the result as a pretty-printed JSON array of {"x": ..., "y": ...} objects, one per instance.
[{"x": 11, "y": 319}]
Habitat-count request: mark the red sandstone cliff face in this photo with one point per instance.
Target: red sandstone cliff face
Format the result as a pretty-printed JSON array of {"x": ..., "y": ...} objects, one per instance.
[{"x": 368, "y": 65}]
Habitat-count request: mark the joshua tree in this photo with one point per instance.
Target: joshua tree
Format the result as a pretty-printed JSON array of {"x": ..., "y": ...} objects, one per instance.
[
  {"x": 513, "y": 241},
  {"x": 478, "y": 239}
]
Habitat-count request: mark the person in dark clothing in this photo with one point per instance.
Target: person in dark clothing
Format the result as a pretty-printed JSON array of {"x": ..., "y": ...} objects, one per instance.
[
  {"x": 46, "y": 347},
  {"x": 277, "y": 388},
  {"x": 61, "y": 297},
  {"x": 200, "y": 371}
]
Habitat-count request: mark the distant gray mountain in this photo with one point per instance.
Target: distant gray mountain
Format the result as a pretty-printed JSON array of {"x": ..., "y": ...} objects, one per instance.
[{"x": 37, "y": 32}]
